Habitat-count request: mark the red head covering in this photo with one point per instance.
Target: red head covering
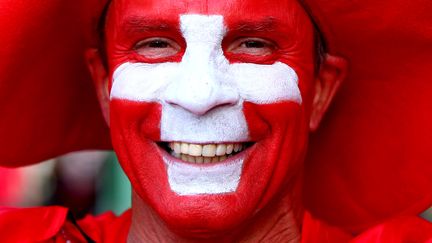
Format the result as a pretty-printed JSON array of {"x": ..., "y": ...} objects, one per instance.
[
  {"x": 372, "y": 158},
  {"x": 47, "y": 103},
  {"x": 369, "y": 160}
]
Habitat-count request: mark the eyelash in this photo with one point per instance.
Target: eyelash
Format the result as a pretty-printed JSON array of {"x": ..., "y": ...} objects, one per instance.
[{"x": 157, "y": 41}]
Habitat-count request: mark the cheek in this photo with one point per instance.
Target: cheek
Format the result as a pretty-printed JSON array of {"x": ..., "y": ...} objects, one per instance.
[
  {"x": 280, "y": 152},
  {"x": 134, "y": 125},
  {"x": 283, "y": 122},
  {"x": 142, "y": 118}
]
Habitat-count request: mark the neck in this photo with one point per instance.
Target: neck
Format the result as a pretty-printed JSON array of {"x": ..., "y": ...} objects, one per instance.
[{"x": 278, "y": 222}]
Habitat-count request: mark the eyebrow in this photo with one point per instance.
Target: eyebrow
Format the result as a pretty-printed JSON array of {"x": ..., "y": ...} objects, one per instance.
[
  {"x": 265, "y": 25},
  {"x": 140, "y": 24}
]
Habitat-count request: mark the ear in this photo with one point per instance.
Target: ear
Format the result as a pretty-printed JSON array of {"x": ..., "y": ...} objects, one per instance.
[
  {"x": 100, "y": 79},
  {"x": 332, "y": 72}
]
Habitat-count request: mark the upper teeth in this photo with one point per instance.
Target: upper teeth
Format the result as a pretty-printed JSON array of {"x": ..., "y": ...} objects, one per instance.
[{"x": 205, "y": 150}]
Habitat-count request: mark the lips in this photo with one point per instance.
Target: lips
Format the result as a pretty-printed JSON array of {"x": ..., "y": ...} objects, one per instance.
[{"x": 203, "y": 153}]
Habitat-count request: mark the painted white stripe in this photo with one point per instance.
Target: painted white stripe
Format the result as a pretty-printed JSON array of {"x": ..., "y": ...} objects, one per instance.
[
  {"x": 202, "y": 98},
  {"x": 187, "y": 179},
  {"x": 260, "y": 84},
  {"x": 226, "y": 124}
]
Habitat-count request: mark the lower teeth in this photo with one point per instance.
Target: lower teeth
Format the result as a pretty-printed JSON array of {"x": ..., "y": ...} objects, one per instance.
[{"x": 200, "y": 159}]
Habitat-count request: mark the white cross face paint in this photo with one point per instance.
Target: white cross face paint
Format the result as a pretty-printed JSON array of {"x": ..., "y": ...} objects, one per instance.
[
  {"x": 202, "y": 100},
  {"x": 187, "y": 179}
]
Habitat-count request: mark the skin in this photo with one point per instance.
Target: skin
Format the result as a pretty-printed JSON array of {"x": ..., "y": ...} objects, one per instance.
[{"x": 266, "y": 205}]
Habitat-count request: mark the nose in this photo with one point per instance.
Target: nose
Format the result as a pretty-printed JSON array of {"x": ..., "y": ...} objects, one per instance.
[
  {"x": 202, "y": 83},
  {"x": 201, "y": 94}
]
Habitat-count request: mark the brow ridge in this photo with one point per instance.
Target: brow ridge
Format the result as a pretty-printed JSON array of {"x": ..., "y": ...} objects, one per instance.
[
  {"x": 142, "y": 24},
  {"x": 264, "y": 25}
]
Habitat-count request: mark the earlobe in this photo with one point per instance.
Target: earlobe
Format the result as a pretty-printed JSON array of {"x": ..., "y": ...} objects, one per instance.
[
  {"x": 332, "y": 72},
  {"x": 100, "y": 79}
]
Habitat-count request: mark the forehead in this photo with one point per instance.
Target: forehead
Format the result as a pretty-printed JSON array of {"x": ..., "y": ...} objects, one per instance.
[{"x": 285, "y": 11}]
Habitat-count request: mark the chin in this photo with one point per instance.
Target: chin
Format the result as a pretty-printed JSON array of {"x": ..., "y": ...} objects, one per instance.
[{"x": 205, "y": 196}]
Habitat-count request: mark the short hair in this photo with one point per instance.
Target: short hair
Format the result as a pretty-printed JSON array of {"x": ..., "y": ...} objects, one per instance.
[{"x": 319, "y": 41}]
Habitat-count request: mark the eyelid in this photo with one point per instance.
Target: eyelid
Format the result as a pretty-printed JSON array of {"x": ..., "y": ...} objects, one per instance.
[{"x": 237, "y": 42}]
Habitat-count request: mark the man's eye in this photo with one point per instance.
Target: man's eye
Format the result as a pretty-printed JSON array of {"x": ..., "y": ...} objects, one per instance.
[
  {"x": 158, "y": 44},
  {"x": 252, "y": 46},
  {"x": 157, "y": 47}
]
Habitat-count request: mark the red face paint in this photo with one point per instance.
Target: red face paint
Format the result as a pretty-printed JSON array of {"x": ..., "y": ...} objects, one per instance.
[{"x": 277, "y": 130}]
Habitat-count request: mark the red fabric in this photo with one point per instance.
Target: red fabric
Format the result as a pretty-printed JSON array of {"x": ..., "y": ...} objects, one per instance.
[
  {"x": 49, "y": 223},
  {"x": 30, "y": 225},
  {"x": 47, "y": 103},
  {"x": 371, "y": 158},
  {"x": 107, "y": 228},
  {"x": 67, "y": 234},
  {"x": 398, "y": 230}
]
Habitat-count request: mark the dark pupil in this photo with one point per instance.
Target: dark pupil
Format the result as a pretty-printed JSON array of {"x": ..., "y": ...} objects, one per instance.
[
  {"x": 254, "y": 44},
  {"x": 158, "y": 44}
]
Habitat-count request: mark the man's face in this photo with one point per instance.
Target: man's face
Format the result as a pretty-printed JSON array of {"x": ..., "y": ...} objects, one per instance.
[{"x": 210, "y": 104}]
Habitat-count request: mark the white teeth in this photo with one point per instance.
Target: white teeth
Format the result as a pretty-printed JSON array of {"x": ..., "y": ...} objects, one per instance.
[
  {"x": 206, "y": 153},
  {"x": 195, "y": 149},
  {"x": 177, "y": 148},
  {"x": 230, "y": 148},
  {"x": 209, "y": 150},
  {"x": 221, "y": 149},
  {"x": 184, "y": 148}
]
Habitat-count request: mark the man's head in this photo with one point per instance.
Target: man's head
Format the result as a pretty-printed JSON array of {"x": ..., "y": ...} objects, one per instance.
[{"x": 211, "y": 103}]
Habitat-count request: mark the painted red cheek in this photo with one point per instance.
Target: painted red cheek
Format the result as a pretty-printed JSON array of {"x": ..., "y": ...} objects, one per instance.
[
  {"x": 142, "y": 117},
  {"x": 282, "y": 131},
  {"x": 134, "y": 126}
]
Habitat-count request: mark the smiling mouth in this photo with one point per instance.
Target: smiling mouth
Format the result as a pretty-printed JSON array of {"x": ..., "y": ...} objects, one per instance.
[{"x": 204, "y": 153}]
